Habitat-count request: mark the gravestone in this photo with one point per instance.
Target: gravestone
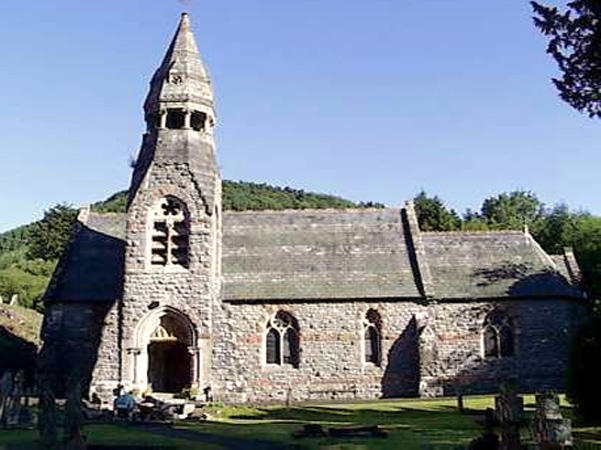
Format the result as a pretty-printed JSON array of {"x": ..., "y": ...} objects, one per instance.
[
  {"x": 509, "y": 413},
  {"x": 13, "y": 412},
  {"x": 549, "y": 427}
]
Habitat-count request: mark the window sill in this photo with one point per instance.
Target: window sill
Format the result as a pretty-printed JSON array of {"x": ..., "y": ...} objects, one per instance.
[
  {"x": 168, "y": 269},
  {"x": 278, "y": 367}
]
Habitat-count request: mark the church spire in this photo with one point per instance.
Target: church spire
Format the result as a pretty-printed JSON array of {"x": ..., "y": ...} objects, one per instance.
[
  {"x": 180, "y": 119},
  {"x": 181, "y": 81}
]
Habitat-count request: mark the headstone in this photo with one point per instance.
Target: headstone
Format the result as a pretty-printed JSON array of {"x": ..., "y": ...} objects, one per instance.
[
  {"x": 14, "y": 404},
  {"x": 550, "y": 429},
  {"x": 6, "y": 388},
  {"x": 1, "y": 299},
  {"x": 509, "y": 412},
  {"x": 509, "y": 407},
  {"x": 14, "y": 300}
]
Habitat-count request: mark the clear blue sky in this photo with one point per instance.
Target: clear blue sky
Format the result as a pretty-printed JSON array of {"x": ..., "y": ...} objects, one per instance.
[{"x": 369, "y": 100}]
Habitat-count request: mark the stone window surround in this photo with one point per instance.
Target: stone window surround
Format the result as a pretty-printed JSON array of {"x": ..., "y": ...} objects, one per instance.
[
  {"x": 281, "y": 329},
  {"x": 508, "y": 321},
  {"x": 374, "y": 322},
  {"x": 155, "y": 216}
]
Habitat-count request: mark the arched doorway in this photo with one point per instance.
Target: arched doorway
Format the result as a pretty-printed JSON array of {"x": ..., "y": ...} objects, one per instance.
[
  {"x": 166, "y": 355},
  {"x": 169, "y": 368}
]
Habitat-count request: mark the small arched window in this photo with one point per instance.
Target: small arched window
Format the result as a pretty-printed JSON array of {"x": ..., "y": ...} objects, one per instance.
[
  {"x": 170, "y": 234},
  {"x": 372, "y": 337},
  {"x": 498, "y": 335},
  {"x": 282, "y": 340}
]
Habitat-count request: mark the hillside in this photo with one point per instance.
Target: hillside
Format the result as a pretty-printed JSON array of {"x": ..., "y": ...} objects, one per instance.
[
  {"x": 19, "y": 339},
  {"x": 23, "y": 323},
  {"x": 245, "y": 196}
]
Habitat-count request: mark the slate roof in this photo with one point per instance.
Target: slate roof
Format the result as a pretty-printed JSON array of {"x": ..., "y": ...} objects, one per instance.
[
  {"x": 320, "y": 255},
  {"x": 91, "y": 269},
  {"x": 492, "y": 265}
]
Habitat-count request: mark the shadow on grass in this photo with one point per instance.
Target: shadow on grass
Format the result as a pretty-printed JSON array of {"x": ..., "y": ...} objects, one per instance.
[{"x": 440, "y": 425}]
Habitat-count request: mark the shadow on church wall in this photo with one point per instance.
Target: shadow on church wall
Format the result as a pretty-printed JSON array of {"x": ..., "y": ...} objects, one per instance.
[
  {"x": 17, "y": 354},
  {"x": 87, "y": 283},
  {"x": 547, "y": 311},
  {"x": 401, "y": 376}
]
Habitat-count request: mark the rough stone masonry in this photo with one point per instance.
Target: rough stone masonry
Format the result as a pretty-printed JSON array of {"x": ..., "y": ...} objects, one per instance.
[{"x": 274, "y": 306}]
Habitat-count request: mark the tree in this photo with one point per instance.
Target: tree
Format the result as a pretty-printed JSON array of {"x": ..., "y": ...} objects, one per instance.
[
  {"x": 583, "y": 388},
  {"x": 433, "y": 215},
  {"x": 511, "y": 211},
  {"x": 556, "y": 230},
  {"x": 50, "y": 235},
  {"x": 575, "y": 44}
]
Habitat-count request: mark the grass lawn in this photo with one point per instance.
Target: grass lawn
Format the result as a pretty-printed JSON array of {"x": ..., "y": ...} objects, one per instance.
[
  {"x": 103, "y": 434},
  {"x": 413, "y": 424}
]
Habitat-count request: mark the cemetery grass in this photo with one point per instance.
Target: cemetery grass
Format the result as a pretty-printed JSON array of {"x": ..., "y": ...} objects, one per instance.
[
  {"x": 115, "y": 435},
  {"x": 412, "y": 424}
]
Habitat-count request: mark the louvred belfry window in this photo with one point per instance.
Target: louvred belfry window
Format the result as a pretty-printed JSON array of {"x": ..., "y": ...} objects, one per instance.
[
  {"x": 282, "y": 340},
  {"x": 372, "y": 340},
  {"x": 498, "y": 335},
  {"x": 170, "y": 234}
]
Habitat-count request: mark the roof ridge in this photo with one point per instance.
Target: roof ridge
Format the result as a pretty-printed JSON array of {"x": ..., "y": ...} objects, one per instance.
[
  {"x": 311, "y": 210},
  {"x": 479, "y": 232},
  {"x": 107, "y": 213}
]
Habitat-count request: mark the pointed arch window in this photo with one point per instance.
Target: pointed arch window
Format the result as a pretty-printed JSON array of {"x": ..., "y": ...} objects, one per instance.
[
  {"x": 498, "y": 335},
  {"x": 282, "y": 340},
  {"x": 372, "y": 338},
  {"x": 170, "y": 234}
]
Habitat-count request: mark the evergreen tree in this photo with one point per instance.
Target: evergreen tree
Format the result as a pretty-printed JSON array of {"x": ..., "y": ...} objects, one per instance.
[
  {"x": 50, "y": 235},
  {"x": 433, "y": 215},
  {"x": 575, "y": 44},
  {"x": 511, "y": 211}
]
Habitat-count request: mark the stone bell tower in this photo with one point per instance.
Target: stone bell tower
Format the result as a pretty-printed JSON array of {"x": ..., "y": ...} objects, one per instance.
[{"x": 173, "y": 245}]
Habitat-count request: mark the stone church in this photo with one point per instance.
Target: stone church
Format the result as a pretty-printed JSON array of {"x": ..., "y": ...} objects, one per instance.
[{"x": 302, "y": 305}]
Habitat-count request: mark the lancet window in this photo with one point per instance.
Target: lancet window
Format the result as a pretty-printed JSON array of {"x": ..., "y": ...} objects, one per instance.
[
  {"x": 498, "y": 335},
  {"x": 170, "y": 234},
  {"x": 282, "y": 340},
  {"x": 372, "y": 337}
]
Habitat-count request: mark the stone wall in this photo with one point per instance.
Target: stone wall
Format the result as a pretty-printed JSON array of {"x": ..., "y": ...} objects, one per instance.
[
  {"x": 543, "y": 331},
  {"x": 71, "y": 340},
  {"x": 426, "y": 350},
  {"x": 331, "y": 360},
  {"x": 191, "y": 290}
]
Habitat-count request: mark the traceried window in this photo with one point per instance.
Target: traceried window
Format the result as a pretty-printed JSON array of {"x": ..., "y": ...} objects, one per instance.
[
  {"x": 498, "y": 335},
  {"x": 170, "y": 234},
  {"x": 372, "y": 337},
  {"x": 282, "y": 340}
]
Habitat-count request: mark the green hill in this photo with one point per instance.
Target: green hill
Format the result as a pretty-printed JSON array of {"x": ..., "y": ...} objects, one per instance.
[{"x": 245, "y": 196}]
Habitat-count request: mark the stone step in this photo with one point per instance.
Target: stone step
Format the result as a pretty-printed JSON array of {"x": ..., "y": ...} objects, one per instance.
[{"x": 165, "y": 397}]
